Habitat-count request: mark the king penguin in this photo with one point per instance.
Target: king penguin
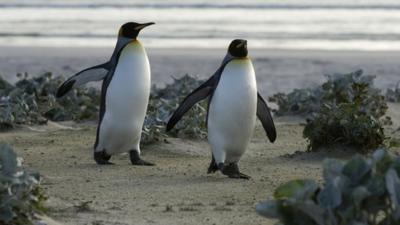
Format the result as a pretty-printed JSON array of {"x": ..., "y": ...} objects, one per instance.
[
  {"x": 124, "y": 96},
  {"x": 233, "y": 106}
]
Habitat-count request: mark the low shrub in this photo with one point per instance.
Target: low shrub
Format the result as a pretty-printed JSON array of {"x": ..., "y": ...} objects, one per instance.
[
  {"x": 193, "y": 124},
  {"x": 393, "y": 95},
  {"x": 361, "y": 191},
  {"x": 339, "y": 88},
  {"x": 32, "y": 101},
  {"x": 163, "y": 101},
  {"x": 21, "y": 197},
  {"x": 352, "y": 113},
  {"x": 301, "y": 102}
]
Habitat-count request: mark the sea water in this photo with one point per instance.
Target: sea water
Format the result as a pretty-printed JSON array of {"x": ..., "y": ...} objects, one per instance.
[{"x": 284, "y": 24}]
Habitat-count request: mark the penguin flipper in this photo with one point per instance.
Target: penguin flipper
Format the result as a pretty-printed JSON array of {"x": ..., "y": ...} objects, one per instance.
[
  {"x": 197, "y": 95},
  {"x": 264, "y": 114},
  {"x": 202, "y": 92},
  {"x": 94, "y": 73}
]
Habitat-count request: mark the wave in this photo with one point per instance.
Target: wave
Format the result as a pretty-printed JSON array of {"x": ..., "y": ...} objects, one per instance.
[
  {"x": 266, "y": 36},
  {"x": 314, "y": 6}
]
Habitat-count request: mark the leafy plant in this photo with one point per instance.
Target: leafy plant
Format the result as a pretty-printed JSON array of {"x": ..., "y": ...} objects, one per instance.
[
  {"x": 32, "y": 101},
  {"x": 361, "y": 191},
  {"x": 351, "y": 114},
  {"x": 393, "y": 95},
  {"x": 193, "y": 124},
  {"x": 154, "y": 123},
  {"x": 163, "y": 101},
  {"x": 298, "y": 102},
  {"x": 21, "y": 197},
  {"x": 339, "y": 88}
]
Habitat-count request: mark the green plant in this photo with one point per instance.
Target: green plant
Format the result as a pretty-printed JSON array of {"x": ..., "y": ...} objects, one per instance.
[
  {"x": 32, "y": 101},
  {"x": 153, "y": 127},
  {"x": 21, "y": 197},
  {"x": 351, "y": 114},
  {"x": 193, "y": 124},
  {"x": 361, "y": 191},
  {"x": 19, "y": 107},
  {"x": 393, "y": 95},
  {"x": 298, "y": 102},
  {"x": 339, "y": 88},
  {"x": 163, "y": 101}
]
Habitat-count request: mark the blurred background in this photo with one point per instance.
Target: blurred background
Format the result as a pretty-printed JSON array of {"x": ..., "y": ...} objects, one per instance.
[{"x": 286, "y": 24}]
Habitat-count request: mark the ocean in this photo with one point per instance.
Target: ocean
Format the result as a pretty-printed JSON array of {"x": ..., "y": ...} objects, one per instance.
[{"x": 362, "y": 25}]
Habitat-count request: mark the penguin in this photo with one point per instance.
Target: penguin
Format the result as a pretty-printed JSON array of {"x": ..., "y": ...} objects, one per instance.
[
  {"x": 125, "y": 94},
  {"x": 233, "y": 105}
]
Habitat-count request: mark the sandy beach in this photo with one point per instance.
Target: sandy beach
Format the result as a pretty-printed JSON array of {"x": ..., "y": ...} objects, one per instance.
[
  {"x": 292, "y": 44},
  {"x": 276, "y": 70},
  {"x": 177, "y": 190}
]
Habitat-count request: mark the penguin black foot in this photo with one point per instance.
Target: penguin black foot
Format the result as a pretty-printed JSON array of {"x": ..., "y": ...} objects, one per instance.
[
  {"x": 137, "y": 161},
  {"x": 232, "y": 171},
  {"x": 213, "y": 166},
  {"x": 102, "y": 158}
]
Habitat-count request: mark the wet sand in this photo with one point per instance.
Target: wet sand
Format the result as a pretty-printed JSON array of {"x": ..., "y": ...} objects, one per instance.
[{"x": 276, "y": 70}]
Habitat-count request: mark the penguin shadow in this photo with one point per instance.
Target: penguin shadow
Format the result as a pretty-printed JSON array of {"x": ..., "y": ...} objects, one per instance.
[
  {"x": 213, "y": 179},
  {"x": 117, "y": 162},
  {"x": 93, "y": 166}
]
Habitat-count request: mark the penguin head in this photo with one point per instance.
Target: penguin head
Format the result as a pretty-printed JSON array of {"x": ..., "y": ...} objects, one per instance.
[
  {"x": 132, "y": 29},
  {"x": 238, "y": 48}
]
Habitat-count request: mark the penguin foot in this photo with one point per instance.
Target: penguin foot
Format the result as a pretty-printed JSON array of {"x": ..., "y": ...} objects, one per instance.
[
  {"x": 142, "y": 162},
  {"x": 137, "y": 161},
  {"x": 240, "y": 176},
  {"x": 232, "y": 171},
  {"x": 102, "y": 158},
  {"x": 213, "y": 166}
]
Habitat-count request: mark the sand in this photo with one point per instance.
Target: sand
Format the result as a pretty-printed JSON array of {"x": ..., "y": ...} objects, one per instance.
[
  {"x": 277, "y": 70},
  {"x": 175, "y": 191},
  {"x": 178, "y": 190}
]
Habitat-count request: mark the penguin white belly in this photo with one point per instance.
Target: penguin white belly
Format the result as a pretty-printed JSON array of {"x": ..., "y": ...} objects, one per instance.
[
  {"x": 232, "y": 111},
  {"x": 126, "y": 102}
]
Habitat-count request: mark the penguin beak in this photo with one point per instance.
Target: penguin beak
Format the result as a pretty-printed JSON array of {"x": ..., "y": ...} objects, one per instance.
[
  {"x": 143, "y": 25},
  {"x": 241, "y": 44}
]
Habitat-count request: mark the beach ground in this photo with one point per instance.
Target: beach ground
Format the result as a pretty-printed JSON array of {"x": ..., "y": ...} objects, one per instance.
[
  {"x": 276, "y": 70},
  {"x": 175, "y": 191},
  {"x": 178, "y": 190}
]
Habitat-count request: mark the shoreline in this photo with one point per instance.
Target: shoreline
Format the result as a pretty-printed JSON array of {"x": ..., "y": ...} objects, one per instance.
[
  {"x": 277, "y": 70},
  {"x": 33, "y": 50}
]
